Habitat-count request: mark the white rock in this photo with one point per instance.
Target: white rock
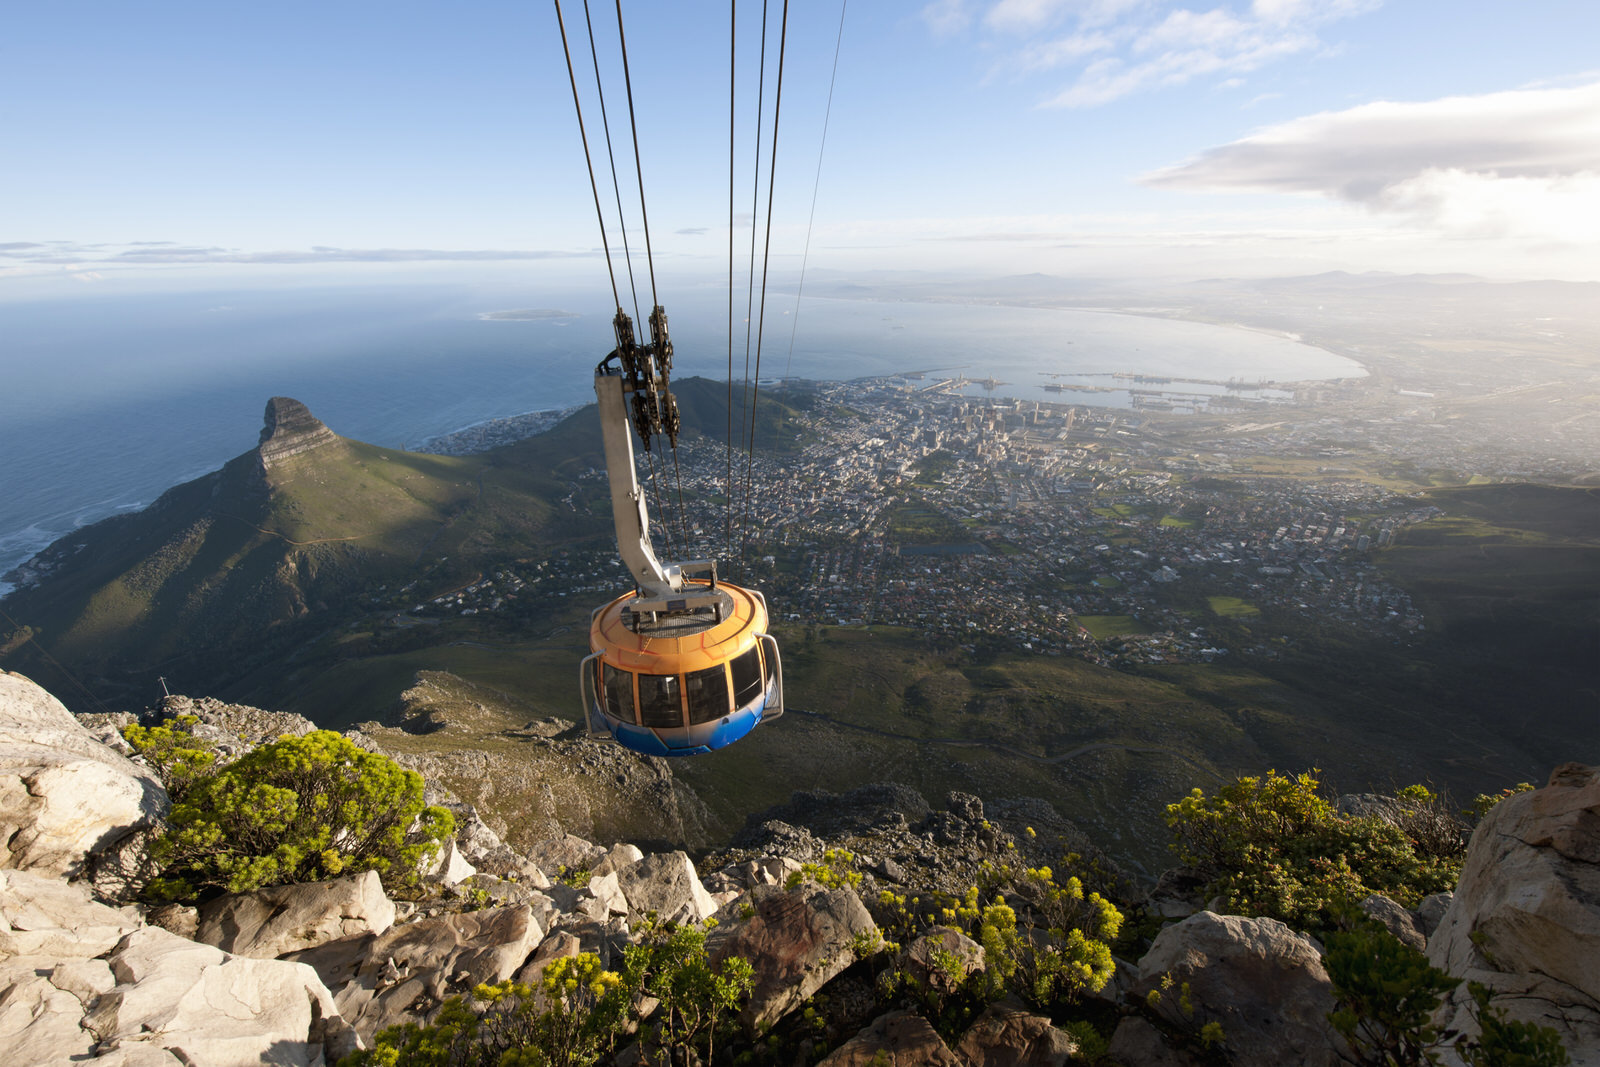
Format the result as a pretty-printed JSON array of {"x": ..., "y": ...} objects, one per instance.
[
  {"x": 449, "y": 866},
  {"x": 209, "y": 1007},
  {"x": 272, "y": 922},
  {"x": 44, "y": 916},
  {"x": 617, "y": 857},
  {"x": 63, "y": 795}
]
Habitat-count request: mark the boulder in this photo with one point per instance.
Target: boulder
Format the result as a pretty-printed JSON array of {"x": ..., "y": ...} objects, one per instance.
[
  {"x": 1008, "y": 1035},
  {"x": 1138, "y": 1043},
  {"x": 1397, "y": 920},
  {"x": 41, "y": 1007},
  {"x": 898, "y": 1039},
  {"x": 1525, "y": 918},
  {"x": 449, "y": 867},
  {"x": 796, "y": 942},
  {"x": 271, "y": 922},
  {"x": 1431, "y": 911},
  {"x": 406, "y": 973},
  {"x": 617, "y": 857},
  {"x": 65, "y": 798},
  {"x": 46, "y": 917},
  {"x": 922, "y": 958},
  {"x": 1263, "y": 982},
  {"x": 207, "y": 1006},
  {"x": 569, "y": 853},
  {"x": 665, "y": 884}
]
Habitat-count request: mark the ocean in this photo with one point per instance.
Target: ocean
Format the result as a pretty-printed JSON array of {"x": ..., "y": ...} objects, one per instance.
[{"x": 107, "y": 399}]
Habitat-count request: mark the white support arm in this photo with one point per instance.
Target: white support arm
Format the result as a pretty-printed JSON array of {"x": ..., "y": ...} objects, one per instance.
[{"x": 628, "y": 509}]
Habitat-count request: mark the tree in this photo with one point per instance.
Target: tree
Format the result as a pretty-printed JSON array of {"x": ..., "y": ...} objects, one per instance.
[{"x": 300, "y": 809}]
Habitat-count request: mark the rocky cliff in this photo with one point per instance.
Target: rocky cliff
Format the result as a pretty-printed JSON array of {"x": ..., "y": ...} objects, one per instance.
[{"x": 305, "y": 974}]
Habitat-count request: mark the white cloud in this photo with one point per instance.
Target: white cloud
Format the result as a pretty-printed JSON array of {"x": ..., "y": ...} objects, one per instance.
[
  {"x": 1519, "y": 163},
  {"x": 946, "y": 18},
  {"x": 1122, "y": 47}
]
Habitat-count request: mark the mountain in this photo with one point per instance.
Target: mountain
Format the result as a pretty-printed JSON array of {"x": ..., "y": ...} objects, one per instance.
[{"x": 245, "y": 561}]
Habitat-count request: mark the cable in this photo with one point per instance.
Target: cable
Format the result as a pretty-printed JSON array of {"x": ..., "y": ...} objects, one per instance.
[
  {"x": 766, "y": 259},
  {"x": 727, "y": 482},
  {"x": 578, "y": 107},
  {"x": 605, "y": 124},
  {"x": 638, "y": 166},
  {"x": 816, "y": 184},
  {"x": 750, "y": 292},
  {"x": 57, "y": 664}
]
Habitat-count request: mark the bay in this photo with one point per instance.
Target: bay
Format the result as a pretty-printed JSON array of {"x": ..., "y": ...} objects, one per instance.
[{"x": 107, "y": 400}]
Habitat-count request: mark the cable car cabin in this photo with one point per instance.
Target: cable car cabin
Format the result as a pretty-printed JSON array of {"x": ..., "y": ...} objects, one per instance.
[{"x": 686, "y": 682}]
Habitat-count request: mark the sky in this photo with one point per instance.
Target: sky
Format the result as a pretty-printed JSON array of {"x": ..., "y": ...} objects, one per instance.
[{"x": 173, "y": 143}]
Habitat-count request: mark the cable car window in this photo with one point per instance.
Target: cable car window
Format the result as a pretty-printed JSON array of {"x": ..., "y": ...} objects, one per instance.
[
  {"x": 746, "y": 677},
  {"x": 618, "y": 688},
  {"x": 659, "y": 705},
  {"x": 708, "y": 694}
]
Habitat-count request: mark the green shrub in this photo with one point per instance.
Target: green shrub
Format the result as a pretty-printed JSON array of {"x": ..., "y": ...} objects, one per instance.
[
  {"x": 1385, "y": 993},
  {"x": 177, "y": 756},
  {"x": 580, "y": 1011},
  {"x": 300, "y": 809},
  {"x": 1275, "y": 846}
]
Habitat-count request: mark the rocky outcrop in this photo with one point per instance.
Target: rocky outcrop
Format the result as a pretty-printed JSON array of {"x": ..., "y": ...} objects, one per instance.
[
  {"x": 1525, "y": 918},
  {"x": 898, "y": 1039},
  {"x": 1008, "y": 1035},
  {"x": 66, "y": 800},
  {"x": 1263, "y": 982},
  {"x": 408, "y": 972},
  {"x": 273, "y": 922},
  {"x": 664, "y": 885},
  {"x": 289, "y": 429},
  {"x": 796, "y": 942},
  {"x": 82, "y": 981}
]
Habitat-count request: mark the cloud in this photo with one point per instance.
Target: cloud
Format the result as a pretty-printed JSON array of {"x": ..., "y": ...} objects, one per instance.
[
  {"x": 1116, "y": 48},
  {"x": 947, "y": 18},
  {"x": 1524, "y": 162},
  {"x": 694, "y": 231},
  {"x": 162, "y": 253}
]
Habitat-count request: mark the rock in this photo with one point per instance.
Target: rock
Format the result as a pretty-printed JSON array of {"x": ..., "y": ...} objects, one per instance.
[
  {"x": 289, "y": 429},
  {"x": 796, "y": 942},
  {"x": 46, "y": 917},
  {"x": 1177, "y": 894},
  {"x": 1431, "y": 912},
  {"x": 178, "y": 919},
  {"x": 607, "y": 890},
  {"x": 778, "y": 838},
  {"x": 1138, "y": 1043},
  {"x": 918, "y": 960},
  {"x": 212, "y": 1008},
  {"x": 40, "y": 1020},
  {"x": 618, "y": 857},
  {"x": 569, "y": 853},
  {"x": 1008, "y": 1035},
  {"x": 1397, "y": 920},
  {"x": 560, "y": 944},
  {"x": 1263, "y": 982},
  {"x": 450, "y": 867},
  {"x": 1525, "y": 918},
  {"x": 65, "y": 798},
  {"x": 384, "y": 980},
  {"x": 272, "y": 922},
  {"x": 898, "y": 1039},
  {"x": 667, "y": 885}
]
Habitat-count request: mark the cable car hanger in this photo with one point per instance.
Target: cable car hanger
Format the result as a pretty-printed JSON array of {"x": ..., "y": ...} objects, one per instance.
[{"x": 683, "y": 664}]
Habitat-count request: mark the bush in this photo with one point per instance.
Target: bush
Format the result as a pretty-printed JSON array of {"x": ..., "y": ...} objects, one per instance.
[
  {"x": 300, "y": 809},
  {"x": 1275, "y": 846},
  {"x": 179, "y": 758},
  {"x": 580, "y": 1010},
  {"x": 1385, "y": 993}
]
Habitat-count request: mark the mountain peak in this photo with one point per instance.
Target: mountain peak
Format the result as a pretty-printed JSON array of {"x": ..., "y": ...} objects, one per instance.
[{"x": 290, "y": 429}]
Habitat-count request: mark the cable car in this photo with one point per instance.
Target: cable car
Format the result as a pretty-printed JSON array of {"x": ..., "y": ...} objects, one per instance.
[{"x": 683, "y": 664}]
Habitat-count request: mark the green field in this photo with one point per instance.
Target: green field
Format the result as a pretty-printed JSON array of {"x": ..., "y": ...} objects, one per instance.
[
  {"x": 1232, "y": 607},
  {"x": 1101, "y": 627}
]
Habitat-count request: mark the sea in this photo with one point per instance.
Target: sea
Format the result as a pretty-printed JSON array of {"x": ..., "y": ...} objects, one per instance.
[{"x": 108, "y": 399}]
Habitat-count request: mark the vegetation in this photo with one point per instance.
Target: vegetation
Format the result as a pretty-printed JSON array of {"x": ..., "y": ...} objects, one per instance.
[
  {"x": 580, "y": 1011},
  {"x": 300, "y": 809},
  {"x": 1385, "y": 994},
  {"x": 1275, "y": 846}
]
